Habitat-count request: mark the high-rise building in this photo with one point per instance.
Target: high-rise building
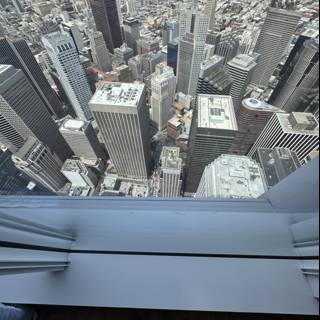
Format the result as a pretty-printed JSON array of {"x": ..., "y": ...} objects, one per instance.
[
  {"x": 214, "y": 127},
  {"x": 293, "y": 95},
  {"x": 275, "y": 35},
  {"x": 123, "y": 54},
  {"x": 172, "y": 55},
  {"x": 252, "y": 118},
  {"x": 131, "y": 7},
  {"x": 123, "y": 119},
  {"x": 107, "y": 21},
  {"x": 99, "y": 51},
  {"x": 171, "y": 172},
  {"x": 210, "y": 9},
  {"x": 240, "y": 69},
  {"x": 150, "y": 61},
  {"x": 64, "y": 56},
  {"x": 18, "y": 54},
  {"x": 213, "y": 78},
  {"x": 79, "y": 174},
  {"x": 297, "y": 131},
  {"x": 123, "y": 73},
  {"x": 74, "y": 32},
  {"x": 136, "y": 67},
  {"x": 170, "y": 32},
  {"x": 276, "y": 164},
  {"x": 163, "y": 88},
  {"x": 232, "y": 177},
  {"x": 227, "y": 47},
  {"x": 193, "y": 31},
  {"x": 147, "y": 45},
  {"x": 40, "y": 164},
  {"x": 131, "y": 27},
  {"x": 82, "y": 139},
  {"x": 23, "y": 114}
]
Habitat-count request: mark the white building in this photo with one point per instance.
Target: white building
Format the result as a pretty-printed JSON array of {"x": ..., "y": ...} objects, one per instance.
[
  {"x": 163, "y": 88},
  {"x": 232, "y": 177},
  {"x": 297, "y": 131},
  {"x": 123, "y": 119},
  {"x": 171, "y": 170},
  {"x": 65, "y": 58}
]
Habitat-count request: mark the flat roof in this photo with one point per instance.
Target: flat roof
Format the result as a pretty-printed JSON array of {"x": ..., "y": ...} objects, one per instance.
[
  {"x": 118, "y": 94},
  {"x": 255, "y": 104},
  {"x": 171, "y": 158},
  {"x": 72, "y": 124},
  {"x": 243, "y": 61},
  {"x": 216, "y": 112},
  {"x": 284, "y": 120}
]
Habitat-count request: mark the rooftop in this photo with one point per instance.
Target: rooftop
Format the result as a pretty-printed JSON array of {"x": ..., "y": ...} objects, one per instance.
[
  {"x": 118, "y": 94},
  {"x": 73, "y": 125},
  {"x": 255, "y": 104},
  {"x": 73, "y": 165},
  {"x": 243, "y": 61},
  {"x": 171, "y": 158},
  {"x": 297, "y": 123},
  {"x": 216, "y": 112}
]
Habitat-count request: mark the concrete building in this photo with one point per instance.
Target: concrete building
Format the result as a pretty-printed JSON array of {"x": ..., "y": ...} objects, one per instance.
[
  {"x": 232, "y": 177},
  {"x": 131, "y": 27},
  {"x": 82, "y": 139},
  {"x": 171, "y": 171},
  {"x": 193, "y": 31},
  {"x": 99, "y": 51},
  {"x": 123, "y": 119},
  {"x": 293, "y": 95},
  {"x": 147, "y": 45},
  {"x": 210, "y": 9},
  {"x": 40, "y": 164},
  {"x": 79, "y": 174},
  {"x": 227, "y": 46},
  {"x": 136, "y": 67},
  {"x": 18, "y": 54},
  {"x": 214, "y": 127},
  {"x": 163, "y": 88},
  {"x": 277, "y": 164},
  {"x": 150, "y": 62},
  {"x": 170, "y": 32},
  {"x": 275, "y": 35},
  {"x": 252, "y": 118},
  {"x": 213, "y": 78},
  {"x": 23, "y": 114},
  {"x": 123, "y": 73},
  {"x": 106, "y": 17},
  {"x": 65, "y": 58},
  {"x": 297, "y": 131},
  {"x": 240, "y": 69},
  {"x": 74, "y": 32},
  {"x": 172, "y": 55},
  {"x": 123, "y": 54}
]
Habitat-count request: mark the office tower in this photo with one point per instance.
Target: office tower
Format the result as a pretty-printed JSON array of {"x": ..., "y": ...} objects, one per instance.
[
  {"x": 123, "y": 119},
  {"x": 23, "y": 114},
  {"x": 131, "y": 27},
  {"x": 73, "y": 30},
  {"x": 82, "y": 139},
  {"x": 171, "y": 171},
  {"x": 163, "y": 88},
  {"x": 227, "y": 47},
  {"x": 106, "y": 18},
  {"x": 275, "y": 35},
  {"x": 191, "y": 50},
  {"x": 123, "y": 54},
  {"x": 214, "y": 127},
  {"x": 252, "y": 117},
  {"x": 99, "y": 51},
  {"x": 170, "y": 31},
  {"x": 240, "y": 69},
  {"x": 123, "y": 73},
  {"x": 209, "y": 50},
  {"x": 172, "y": 56},
  {"x": 147, "y": 45},
  {"x": 18, "y": 54},
  {"x": 294, "y": 93},
  {"x": 213, "y": 78},
  {"x": 210, "y": 9},
  {"x": 297, "y": 131},
  {"x": 150, "y": 61},
  {"x": 131, "y": 7},
  {"x": 136, "y": 67},
  {"x": 40, "y": 164},
  {"x": 79, "y": 174},
  {"x": 232, "y": 177},
  {"x": 248, "y": 40},
  {"x": 277, "y": 164},
  {"x": 65, "y": 58}
]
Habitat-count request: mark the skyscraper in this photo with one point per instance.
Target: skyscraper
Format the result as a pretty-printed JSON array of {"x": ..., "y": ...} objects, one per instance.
[
  {"x": 275, "y": 35},
  {"x": 297, "y": 131},
  {"x": 123, "y": 119},
  {"x": 23, "y": 114},
  {"x": 193, "y": 31},
  {"x": 40, "y": 164},
  {"x": 227, "y": 46},
  {"x": 131, "y": 27},
  {"x": 214, "y": 127},
  {"x": 82, "y": 139},
  {"x": 65, "y": 58},
  {"x": 253, "y": 115},
  {"x": 171, "y": 31},
  {"x": 171, "y": 171},
  {"x": 210, "y": 9},
  {"x": 232, "y": 177},
  {"x": 99, "y": 51},
  {"x": 163, "y": 88},
  {"x": 107, "y": 21},
  {"x": 293, "y": 95},
  {"x": 240, "y": 69},
  {"x": 18, "y": 54}
]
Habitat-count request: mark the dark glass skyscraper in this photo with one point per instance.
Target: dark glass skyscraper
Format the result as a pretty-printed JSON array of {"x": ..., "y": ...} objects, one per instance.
[
  {"x": 18, "y": 54},
  {"x": 172, "y": 57},
  {"x": 107, "y": 21}
]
